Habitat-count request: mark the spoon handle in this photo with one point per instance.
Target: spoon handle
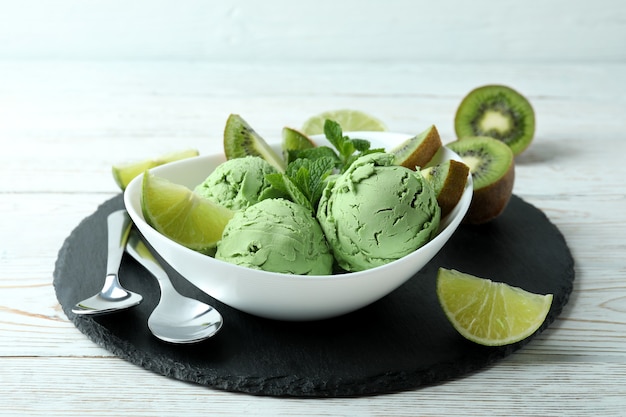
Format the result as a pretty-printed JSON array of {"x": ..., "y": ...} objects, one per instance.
[
  {"x": 140, "y": 252},
  {"x": 118, "y": 224}
]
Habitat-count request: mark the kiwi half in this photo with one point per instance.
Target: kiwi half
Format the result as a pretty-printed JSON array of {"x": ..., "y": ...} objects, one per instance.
[
  {"x": 448, "y": 179},
  {"x": 418, "y": 150},
  {"x": 499, "y": 112},
  {"x": 492, "y": 166},
  {"x": 241, "y": 140}
]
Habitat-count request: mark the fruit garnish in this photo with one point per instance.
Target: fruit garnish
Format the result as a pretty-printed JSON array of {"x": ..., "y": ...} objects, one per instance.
[
  {"x": 241, "y": 140},
  {"x": 490, "y": 313},
  {"x": 123, "y": 173},
  {"x": 176, "y": 212},
  {"x": 448, "y": 180},
  {"x": 493, "y": 173},
  {"x": 497, "y": 111},
  {"x": 293, "y": 141},
  {"x": 418, "y": 150},
  {"x": 349, "y": 120}
]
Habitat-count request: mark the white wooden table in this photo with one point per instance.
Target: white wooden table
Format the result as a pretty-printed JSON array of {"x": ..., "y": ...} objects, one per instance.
[{"x": 62, "y": 125}]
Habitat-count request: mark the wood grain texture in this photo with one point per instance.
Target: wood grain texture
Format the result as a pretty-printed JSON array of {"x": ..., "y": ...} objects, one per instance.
[
  {"x": 282, "y": 30},
  {"x": 62, "y": 125}
]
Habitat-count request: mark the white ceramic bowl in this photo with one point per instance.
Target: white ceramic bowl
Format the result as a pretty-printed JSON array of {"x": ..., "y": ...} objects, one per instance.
[{"x": 284, "y": 296}]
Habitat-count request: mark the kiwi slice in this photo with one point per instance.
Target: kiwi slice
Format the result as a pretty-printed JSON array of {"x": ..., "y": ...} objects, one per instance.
[
  {"x": 499, "y": 112},
  {"x": 240, "y": 140},
  {"x": 418, "y": 150},
  {"x": 294, "y": 140},
  {"x": 492, "y": 166},
  {"x": 448, "y": 179}
]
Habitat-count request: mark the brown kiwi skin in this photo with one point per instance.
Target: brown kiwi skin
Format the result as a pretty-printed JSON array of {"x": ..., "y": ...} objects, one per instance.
[
  {"x": 490, "y": 201},
  {"x": 453, "y": 187},
  {"x": 424, "y": 152}
]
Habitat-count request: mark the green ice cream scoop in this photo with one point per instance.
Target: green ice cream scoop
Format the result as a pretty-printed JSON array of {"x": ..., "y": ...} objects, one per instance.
[
  {"x": 276, "y": 235},
  {"x": 236, "y": 183},
  {"x": 377, "y": 212}
]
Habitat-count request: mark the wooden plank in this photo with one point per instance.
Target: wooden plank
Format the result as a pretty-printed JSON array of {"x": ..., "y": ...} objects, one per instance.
[
  {"x": 414, "y": 31},
  {"x": 102, "y": 386}
]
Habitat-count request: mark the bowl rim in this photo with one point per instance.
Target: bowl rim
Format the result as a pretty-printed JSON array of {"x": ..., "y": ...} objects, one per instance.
[{"x": 132, "y": 195}]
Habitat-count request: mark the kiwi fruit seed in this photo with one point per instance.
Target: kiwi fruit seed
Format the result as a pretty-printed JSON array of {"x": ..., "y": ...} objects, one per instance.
[
  {"x": 241, "y": 140},
  {"x": 499, "y": 112},
  {"x": 294, "y": 140},
  {"x": 418, "y": 150},
  {"x": 492, "y": 165},
  {"x": 448, "y": 179}
]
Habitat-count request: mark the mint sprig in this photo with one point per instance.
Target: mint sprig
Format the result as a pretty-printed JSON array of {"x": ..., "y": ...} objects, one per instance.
[
  {"x": 348, "y": 149},
  {"x": 306, "y": 174},
  {"x": 303, "y": 182}
]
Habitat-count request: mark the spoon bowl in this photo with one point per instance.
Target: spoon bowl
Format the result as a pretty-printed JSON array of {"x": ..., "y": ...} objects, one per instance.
[
  {"x": 176, "y": 318},
  {"x": 112, "y": 297}
]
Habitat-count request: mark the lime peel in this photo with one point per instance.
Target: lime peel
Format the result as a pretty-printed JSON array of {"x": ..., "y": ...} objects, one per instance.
[
  {"x": 487, "y": 312},
  {"x": 178, "y": 213},
  {"x": 349, "y": 120},
  {"x": 125, "y": 172}
]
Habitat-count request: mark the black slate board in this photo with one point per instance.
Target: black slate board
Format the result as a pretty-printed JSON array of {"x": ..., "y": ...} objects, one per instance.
[{"x": 401, "y": 342}]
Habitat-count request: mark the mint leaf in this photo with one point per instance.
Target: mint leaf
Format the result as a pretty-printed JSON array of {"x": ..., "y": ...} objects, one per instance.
[
  {"x": 283, "y": 187},
  {"x": 348, "y": 149},
  {"x": 309, "y": 175},
  {"x": 361, "y": 145},
  {"x": 316, "y": 153},
  {"x": 319, "y": 171},
  {"x": 334, "y": 134},
  {"x": 308, "y": 171},
  {"x": 303, "y": 181}
]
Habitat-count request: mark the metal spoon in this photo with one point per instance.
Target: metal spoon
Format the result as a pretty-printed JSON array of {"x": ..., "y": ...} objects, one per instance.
[
  {"x": 176, "y": 318},
  {"x": 113, "y": 296}
]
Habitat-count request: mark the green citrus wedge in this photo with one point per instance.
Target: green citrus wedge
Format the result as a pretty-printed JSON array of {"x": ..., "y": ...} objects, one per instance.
[
  {"x": 490, "y": 313},
  {"x": 186, "y": 218},
  {"x": 294, "y": 140},
  {"x": 349, "y": 120},
  {"x": 123, "y": 173}
]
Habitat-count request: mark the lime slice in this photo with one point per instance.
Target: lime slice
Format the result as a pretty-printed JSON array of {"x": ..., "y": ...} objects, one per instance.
[
  {"x": 123, "y": 173},
  {"x": 186, "y": 218},
  {"x": 349, "y": 120},
  {"x": 294, "y": 140},
  {"x": 490, "y": 313}
]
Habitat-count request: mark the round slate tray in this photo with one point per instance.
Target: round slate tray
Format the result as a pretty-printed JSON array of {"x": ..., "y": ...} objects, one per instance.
[{"x": 401, "y": 342}]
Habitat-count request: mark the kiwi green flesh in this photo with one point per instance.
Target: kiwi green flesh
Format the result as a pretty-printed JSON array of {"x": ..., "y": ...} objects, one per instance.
[
  {"x": 241, "y": 140},
  {"x": 436, "y": 175},
  {"x": 488, "y": 159},
  {"x": 499, "y": 112},
  {"x": 418, "y": 150}
]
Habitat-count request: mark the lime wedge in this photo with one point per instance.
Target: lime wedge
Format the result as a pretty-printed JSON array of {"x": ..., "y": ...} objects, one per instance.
[
  {"x": 186, "y": 218},
  {"x": 490, "y": 313},
  {"x": 349, "y": 120},
  {"x": 294, "y": 140},
  {"x": 123, "y": 173}
]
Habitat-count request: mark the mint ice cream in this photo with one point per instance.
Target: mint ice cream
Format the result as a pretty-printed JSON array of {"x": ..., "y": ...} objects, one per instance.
[
  {"x": 236, "y": 183},
  {"x": 377, "y": 212},
  {"x": 276, "y": 235}
]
